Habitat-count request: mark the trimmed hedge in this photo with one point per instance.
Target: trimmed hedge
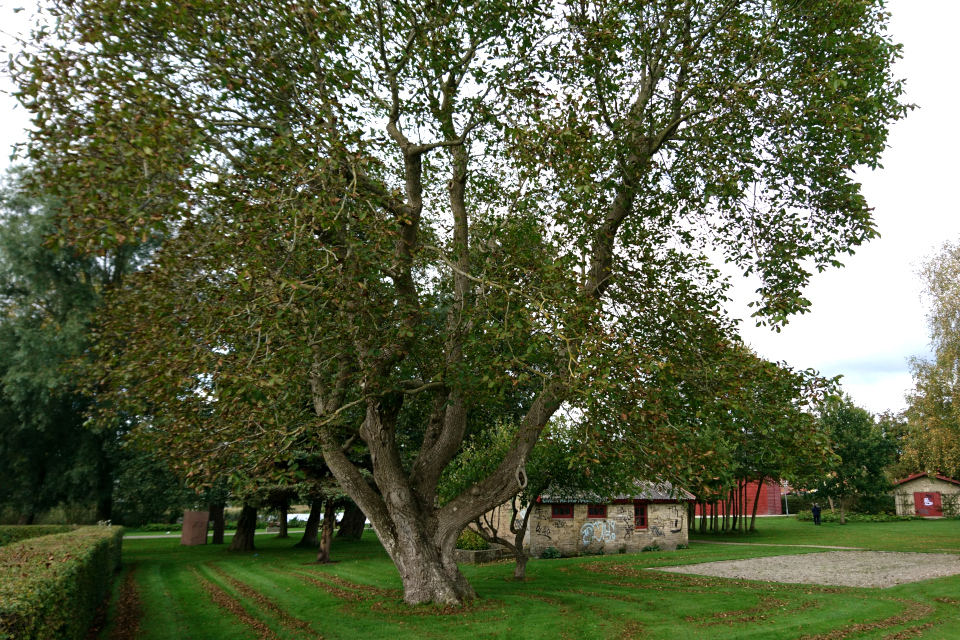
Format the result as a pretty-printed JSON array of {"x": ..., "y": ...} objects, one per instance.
[
  {"x": 828, "y": 516},
  {"x": 16, "y": 533},
  {"x": 50, "y": 587},
  {"x": 163, "y": 528}
]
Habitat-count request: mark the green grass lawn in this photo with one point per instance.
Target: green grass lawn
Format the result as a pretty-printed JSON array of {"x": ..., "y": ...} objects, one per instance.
[
  {"x": 274, "y": 592},
  {"x": 912, "y": 535},
  {"x": 135, "y": 533}
]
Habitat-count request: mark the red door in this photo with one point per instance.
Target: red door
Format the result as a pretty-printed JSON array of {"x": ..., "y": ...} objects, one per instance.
[{"x": 928, "y": 505}]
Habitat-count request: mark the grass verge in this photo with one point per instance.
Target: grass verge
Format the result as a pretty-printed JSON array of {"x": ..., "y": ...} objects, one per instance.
[{"x": 276, "y": 592}]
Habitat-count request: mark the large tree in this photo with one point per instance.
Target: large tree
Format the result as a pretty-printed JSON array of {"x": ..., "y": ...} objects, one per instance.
[
  {"x": 46, "y": 298},
  {"x": 380, "y": 211},
  {"x": 862, "y": 451},
  {"x": 932, "y": 438}
]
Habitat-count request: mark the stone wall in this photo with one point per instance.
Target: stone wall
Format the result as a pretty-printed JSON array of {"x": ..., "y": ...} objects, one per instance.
[
  {"x": 666, "y": 526},
  {"x": 903, "y": 494}
]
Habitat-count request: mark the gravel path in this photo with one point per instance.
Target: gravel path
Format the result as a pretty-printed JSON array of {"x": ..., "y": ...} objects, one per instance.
[{"x": 835, "y": 568}]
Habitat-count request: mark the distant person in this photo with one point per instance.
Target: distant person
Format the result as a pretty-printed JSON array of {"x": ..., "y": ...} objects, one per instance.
[{"x": 816, "y": 513}]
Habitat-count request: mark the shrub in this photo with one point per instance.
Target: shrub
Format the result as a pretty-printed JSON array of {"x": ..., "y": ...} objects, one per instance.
[
  {"x": 651, "y": 547},
  {"x": 160, "y": 528},
  {"x": 470, "y": 540},
  {"x": 550, "y": 553},
  {"x": 50, "y": 587},
  {"x": 11, "y": 534},
  {"x": 876, "y": 505},
  {"x": 834, "y": 517},
  {"x": 682, "y": 546}
]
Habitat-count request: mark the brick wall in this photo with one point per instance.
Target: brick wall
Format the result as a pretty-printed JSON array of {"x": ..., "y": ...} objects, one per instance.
[{"x": 666, "y": 526}]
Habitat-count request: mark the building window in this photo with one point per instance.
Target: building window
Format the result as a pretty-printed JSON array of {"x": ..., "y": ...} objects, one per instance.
[
  {"x": 562, "y": 511},
  {"x": 640, "y": 516},
  {"x": 597, "y": 511}
]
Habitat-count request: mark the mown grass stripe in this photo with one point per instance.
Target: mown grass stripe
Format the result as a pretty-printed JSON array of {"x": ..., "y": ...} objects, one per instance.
[
  {"x": 233, "y": 606},
  {"x": 329, "y": 588},
  {"x": 285, "y": 618}
]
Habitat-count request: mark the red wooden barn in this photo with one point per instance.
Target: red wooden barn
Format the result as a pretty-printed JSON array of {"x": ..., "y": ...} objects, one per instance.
[{"x": 769, "y": 503}]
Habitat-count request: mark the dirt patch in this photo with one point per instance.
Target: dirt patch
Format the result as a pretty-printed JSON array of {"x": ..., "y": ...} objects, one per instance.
[{"x": 837, "y": 568}]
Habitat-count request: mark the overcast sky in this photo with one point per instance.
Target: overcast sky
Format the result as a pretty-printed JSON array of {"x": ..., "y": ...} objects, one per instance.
[{"x": 866, "y": 318}]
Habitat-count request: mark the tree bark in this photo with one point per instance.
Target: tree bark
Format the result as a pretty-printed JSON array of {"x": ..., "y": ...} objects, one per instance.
[
  {"x": 488, "y": 532},
  {"x": 756, "y": 500},
  {"x": 830, "y": 500},
  {"x": 329, "y": 521},
  {"x": 309, "y": 539},
  {"x": 216, "y": 516},
  {"x": 283, "y": 521},
  {"x": 25, "y": 519},
  {"x": 351, "y": 526},
  {"x": 843, "y": 515},
  {"x": 105, "y": 508},
  {"x": 419, "y": 537},
  {"x": 246, "y": 528}
]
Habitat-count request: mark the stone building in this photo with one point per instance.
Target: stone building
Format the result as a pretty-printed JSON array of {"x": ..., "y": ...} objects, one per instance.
[
  {"x": 927, "y": 495},
  {"x": 655, "y": 515}
]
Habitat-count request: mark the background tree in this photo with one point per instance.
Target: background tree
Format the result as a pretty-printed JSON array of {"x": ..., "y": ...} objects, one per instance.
[
  {"x": 48, "y": 297},
  {"x": 554, "y": 465},
  {"x": 862, "y": 454},
  {"x": 758, "y": 420},
  {"x": 374, "y": 204},
  {"x": 932, "y": 438}
]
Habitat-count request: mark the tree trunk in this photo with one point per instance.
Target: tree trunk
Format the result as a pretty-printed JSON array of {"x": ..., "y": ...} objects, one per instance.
[
  {"x": 329, "y": 521},
  {"x": 830, "y": 500},
  {"x": 351, "y": 526},
  {"x": 843, "y": 515},
  {"x": 743, "y": 506},
  {"x": 756, "y": 501},
  {"x": 25, "y": 519},
  {"x": 489, "y": 533},
  {"x": 283, "y": 521},
  {"x": 246, "y": 528},
  {"x": 418, "y": 535},
  {"x": 216, "y": 516},
  {"x": 309, "y": 539},
  {"x": 105, "y": 508}
]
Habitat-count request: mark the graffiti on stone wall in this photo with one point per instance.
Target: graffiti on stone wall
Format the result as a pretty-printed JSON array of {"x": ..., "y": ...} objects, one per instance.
[
  {"x": 677, "y": 525},
  {"x": 599, "y": 531},
  {"x": 543, "y": 530},
  {"x": 670, "y": 520}
]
